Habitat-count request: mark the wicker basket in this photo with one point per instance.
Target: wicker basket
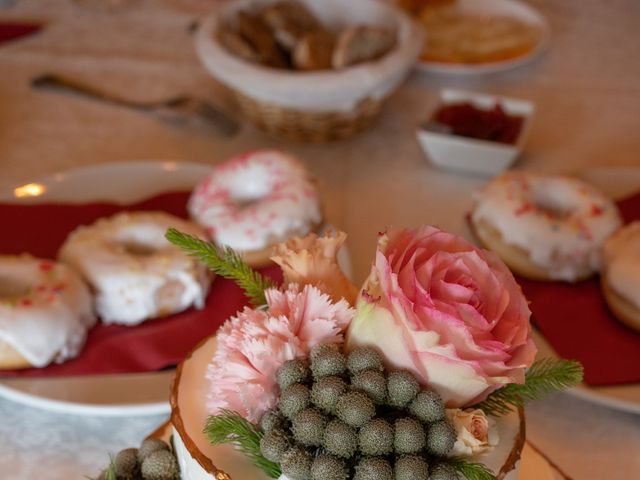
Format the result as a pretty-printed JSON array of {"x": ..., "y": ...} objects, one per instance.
[
  {"x": 307, "y": 126},
  {"x": 314, "y": 106}
]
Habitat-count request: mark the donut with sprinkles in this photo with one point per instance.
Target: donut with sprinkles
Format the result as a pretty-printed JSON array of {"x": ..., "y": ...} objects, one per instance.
[
  {"x": 545, "y": 227},
  {"x": 45, "y": 312},
  {"x": 256, "y": 200}
]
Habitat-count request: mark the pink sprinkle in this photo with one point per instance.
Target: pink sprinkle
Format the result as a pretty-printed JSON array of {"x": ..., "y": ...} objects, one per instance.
[
  {"x": 526, "y": 207},
  {"x": 25, "y": 302},
  {"x": 46, "y": 266},
  {"x": 596, "y": 210}
]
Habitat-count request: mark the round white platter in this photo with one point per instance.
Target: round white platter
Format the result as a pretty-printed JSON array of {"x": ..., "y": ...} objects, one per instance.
[
  {"x": 125, "y": 182},
  {"x": 494, "y": 8},
  {"x": 121, "y": 394}
]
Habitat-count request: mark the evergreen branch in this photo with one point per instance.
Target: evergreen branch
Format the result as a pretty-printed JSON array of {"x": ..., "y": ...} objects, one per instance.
[
  {"x": 471, "y": 470},
  {"x": 224, "y": 262},
  {"x": 110, "y": 472},
  {"x": 544, "y": 377},
  {"x": 233, "y": 429}
]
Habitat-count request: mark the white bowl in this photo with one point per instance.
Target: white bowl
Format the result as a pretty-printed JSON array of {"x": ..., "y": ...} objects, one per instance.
[
  {"x": 469, "y": 155},
  {"x": 322, "y": 91}
]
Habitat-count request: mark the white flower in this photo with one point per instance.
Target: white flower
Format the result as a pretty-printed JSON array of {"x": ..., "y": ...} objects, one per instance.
[{"x": 476, "y": 432}]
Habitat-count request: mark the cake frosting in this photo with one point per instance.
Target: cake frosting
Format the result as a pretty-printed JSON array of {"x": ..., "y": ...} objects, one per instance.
[
  {"x": 561, "y": 222},
  {"x": 255, "y": 200},
  {"x": 45, "y": 309},
  {"x": 295, "y": 376}
]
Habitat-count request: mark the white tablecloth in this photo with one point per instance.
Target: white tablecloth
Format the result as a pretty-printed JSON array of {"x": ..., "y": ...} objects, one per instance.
[{"x": 587, "y": 93}]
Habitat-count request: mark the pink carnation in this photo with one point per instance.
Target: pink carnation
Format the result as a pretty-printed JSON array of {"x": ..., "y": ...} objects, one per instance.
[{"x": 255, "y": 343}]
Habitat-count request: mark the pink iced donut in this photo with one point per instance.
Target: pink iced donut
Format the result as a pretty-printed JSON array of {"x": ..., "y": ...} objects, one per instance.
[{"x": 256, "y": 200}]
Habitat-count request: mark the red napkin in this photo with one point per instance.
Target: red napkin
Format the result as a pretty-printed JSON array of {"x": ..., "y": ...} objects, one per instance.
[
  {"x": 14, "y": 31},
  {"x": 576, "y": 322},
  {"x": 154, "y": 345}
]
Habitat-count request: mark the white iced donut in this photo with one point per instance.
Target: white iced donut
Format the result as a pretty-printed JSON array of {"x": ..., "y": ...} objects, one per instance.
[
  {"x": 45, "y": 312},
  {"x": 256, "y": 200},
  {"x": 545, "y": 227},
  {"x": 135, "y": 272},
  {"x": 621, "y": 274}
]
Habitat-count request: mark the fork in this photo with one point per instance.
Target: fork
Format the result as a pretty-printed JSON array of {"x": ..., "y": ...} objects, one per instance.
[{"x": 177, "y": 109}]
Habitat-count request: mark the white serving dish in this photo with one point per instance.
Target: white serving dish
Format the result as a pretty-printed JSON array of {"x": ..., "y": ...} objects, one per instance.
[
  {"x": 470, "y": 155},
  {"x": 515, "y": 9}
]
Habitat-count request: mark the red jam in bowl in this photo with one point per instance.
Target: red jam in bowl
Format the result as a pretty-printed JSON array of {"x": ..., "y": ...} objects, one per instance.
[{"x": 494, "y": 125}]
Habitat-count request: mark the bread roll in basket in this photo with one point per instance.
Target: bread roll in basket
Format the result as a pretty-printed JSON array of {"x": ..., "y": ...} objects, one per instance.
[{"x": 318, "y": 105}]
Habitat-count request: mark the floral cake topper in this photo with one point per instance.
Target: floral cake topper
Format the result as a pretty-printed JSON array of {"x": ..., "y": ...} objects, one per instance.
[{"x": 403, "y": 380}]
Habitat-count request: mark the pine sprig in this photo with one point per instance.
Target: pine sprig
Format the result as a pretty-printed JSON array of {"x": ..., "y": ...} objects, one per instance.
[
  {"x": 543, "y": 377},
  {"x": 232, "y": 429},
  {"x": 110, "y": 472},
  {"x": 224, "y": 262},
  {"x": 471, "y": 470}
]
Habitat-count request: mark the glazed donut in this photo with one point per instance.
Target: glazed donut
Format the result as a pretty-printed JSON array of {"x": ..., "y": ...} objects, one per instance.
[
  {"x": 254, "y": 201},
  {"x": 544, "y": 227},
  {"x": 134, "y": 271},
  {"x": 45, "y": 312},
  {"x": 620, "y": 277}
]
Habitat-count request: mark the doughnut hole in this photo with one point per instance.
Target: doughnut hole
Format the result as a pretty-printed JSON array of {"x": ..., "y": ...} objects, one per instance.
[
  {"x": 168, "y": 296},
  {"x": 244, "y": 203},
  {"x": 250, "y": 190},
  {"x": 12, "y": 288},
  {"x": 138, "y": 249},
  {"x": 553, "y": 200}
]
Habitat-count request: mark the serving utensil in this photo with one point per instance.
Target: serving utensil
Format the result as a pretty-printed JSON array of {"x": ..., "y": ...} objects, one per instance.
[{"x": 177, "y": 109}]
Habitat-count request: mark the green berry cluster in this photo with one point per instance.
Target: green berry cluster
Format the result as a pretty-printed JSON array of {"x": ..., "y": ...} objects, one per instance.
[
  {"x": 343, "y": 416},
  {"x": 154, "y": 460}
]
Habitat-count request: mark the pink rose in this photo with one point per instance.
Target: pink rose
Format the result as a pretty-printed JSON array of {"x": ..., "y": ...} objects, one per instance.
[{"x": 449, "y": 312}]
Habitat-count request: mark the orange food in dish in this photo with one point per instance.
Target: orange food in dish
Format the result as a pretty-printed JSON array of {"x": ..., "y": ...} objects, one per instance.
[{"x": 455, "y": 36}]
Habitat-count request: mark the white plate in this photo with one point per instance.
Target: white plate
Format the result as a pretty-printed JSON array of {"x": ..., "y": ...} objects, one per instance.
[
  {"x": 617, "y": 182},
  {"x": 503, "y": 8},
  {"x": 127, "y": 394}
]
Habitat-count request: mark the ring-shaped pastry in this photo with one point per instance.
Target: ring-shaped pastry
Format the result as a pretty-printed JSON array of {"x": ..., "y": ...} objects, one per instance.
[
  {"x": 545, "y": 227},
  {"x": 45, "y": 312},
  {"x": 254, "y": 201},
  {"x": 135, "y": 272}
]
